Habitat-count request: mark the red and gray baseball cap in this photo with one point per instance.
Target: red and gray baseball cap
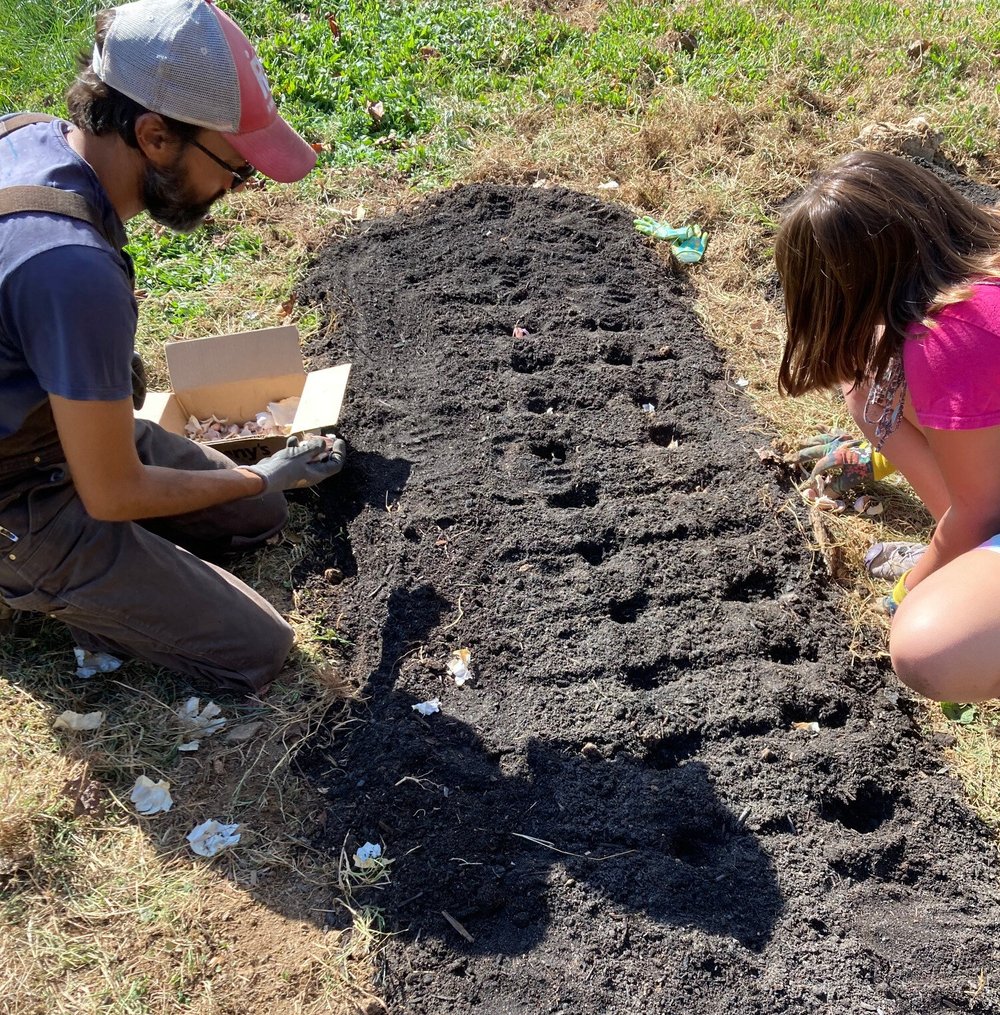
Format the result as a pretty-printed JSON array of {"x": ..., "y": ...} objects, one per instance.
[{"x": 188, "y": 60}]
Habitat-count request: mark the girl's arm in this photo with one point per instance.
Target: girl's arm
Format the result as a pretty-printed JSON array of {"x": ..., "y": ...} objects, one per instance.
[{"x": 907, "y": 449}]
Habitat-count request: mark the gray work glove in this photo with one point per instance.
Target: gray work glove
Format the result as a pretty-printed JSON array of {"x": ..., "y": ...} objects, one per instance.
[
  {"x": 299, "y": 465},
  {"x": 138, "y": 381}
]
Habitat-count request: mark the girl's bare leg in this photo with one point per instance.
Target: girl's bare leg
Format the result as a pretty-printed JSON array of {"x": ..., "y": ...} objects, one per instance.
[{"x": 945, "y": 638}]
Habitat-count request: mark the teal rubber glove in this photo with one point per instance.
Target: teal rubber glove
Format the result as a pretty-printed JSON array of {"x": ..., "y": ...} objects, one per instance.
[
  {"x": 691, "y": 250},
  {"x": 687, "y": 242},
  {"x": 297, "y": 466},
  {"x": 660, "y": 230}
]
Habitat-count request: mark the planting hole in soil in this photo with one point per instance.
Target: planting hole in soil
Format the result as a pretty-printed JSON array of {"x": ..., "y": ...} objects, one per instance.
[{"x": 618, "y": 809}]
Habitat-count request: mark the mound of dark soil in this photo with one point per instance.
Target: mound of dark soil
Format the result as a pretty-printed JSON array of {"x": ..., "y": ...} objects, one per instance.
[{"x": 618, "y": 811}]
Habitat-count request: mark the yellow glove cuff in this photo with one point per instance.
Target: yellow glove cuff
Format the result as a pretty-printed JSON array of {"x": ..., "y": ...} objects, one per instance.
[
  {"x": 899, "y": 590},
  {"x": 881, "y": 466}
]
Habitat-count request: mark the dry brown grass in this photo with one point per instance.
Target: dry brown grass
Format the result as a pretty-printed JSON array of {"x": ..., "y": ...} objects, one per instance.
[
  {"x": 105, "y": 910},
  {"x": 585, "y": 14}
]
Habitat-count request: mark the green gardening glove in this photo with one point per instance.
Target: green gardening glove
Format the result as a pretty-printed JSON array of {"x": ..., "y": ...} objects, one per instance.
[
  {"x": 661, "y": 231},
  {"x": 687, "y": 242}
]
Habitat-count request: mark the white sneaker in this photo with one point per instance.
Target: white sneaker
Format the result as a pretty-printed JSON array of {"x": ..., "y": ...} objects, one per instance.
[{"x": 890, "y": 561}]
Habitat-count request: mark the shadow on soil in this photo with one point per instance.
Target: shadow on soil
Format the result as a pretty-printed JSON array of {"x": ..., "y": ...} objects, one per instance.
[
  {"x": 648, "y": 833},
  {"x": 669, "y": 787}
]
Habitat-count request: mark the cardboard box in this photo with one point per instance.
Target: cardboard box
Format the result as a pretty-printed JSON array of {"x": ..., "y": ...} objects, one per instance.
[{"x": 235, "y": 376}]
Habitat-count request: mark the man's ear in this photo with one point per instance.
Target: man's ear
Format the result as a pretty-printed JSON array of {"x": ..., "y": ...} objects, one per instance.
[{"x": 156, "y": 141}]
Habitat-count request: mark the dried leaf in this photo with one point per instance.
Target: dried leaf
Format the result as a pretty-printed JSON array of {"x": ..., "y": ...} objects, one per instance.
[
  {"x": 918, "y": 48},
  {"x": 240, "y": 734},
  {"x": 768, "y": 454},
  {"x": 334, "y": 27},
  {"x": 88, "y": 796}
]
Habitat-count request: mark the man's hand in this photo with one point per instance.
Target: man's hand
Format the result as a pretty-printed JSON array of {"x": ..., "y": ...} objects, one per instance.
[
  {"x": 115, "y": 486},
  {"x": 840, "y": 462},
  {"x": 300, "y": 465}
]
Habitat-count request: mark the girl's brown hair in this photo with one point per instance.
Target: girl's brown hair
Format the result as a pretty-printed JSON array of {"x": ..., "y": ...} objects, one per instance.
[{"x": 874, "y": 244}]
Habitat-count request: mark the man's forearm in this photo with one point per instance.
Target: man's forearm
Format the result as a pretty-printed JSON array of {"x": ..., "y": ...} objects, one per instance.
[{"x": 159, "y": 492}]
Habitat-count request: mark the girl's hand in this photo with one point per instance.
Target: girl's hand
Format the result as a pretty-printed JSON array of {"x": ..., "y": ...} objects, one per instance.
[{"x": 840, "y": 462}]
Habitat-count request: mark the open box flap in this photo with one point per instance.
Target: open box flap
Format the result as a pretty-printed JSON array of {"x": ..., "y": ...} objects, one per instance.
[
  {"x": 230, "y": 359},
  {"x": 163, "y": 407},
  {"x": 322, "y": 397}
]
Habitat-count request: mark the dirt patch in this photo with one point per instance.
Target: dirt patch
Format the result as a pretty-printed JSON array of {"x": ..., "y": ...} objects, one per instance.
[
  {"x": 585, "y": 14},
  {"x": 618, "y": 810}
]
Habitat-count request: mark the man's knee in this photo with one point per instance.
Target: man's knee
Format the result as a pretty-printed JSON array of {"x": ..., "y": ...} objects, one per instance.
[
  {"x": 260, "y": 518},
  {"x": 266, "y": 649}
]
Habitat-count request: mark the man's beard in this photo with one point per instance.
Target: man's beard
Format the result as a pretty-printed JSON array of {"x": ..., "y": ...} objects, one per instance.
[{"x": 164, "y": 192}]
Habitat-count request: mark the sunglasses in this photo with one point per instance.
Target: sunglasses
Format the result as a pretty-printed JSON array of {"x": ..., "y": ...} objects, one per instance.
[{"x": 240, "y": 174}]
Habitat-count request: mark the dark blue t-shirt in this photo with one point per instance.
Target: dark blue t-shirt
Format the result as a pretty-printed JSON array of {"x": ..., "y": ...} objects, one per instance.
[{"x": 67, "y": 313}]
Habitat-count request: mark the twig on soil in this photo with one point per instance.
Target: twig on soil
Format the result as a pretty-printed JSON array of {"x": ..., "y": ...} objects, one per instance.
[
  {"x": 833, "y": 555},
  {"x": 468, "y": 937},
  {"x": 582, "y": 856},
  {"x": 421, "y": 780},
  {"x": 457, "y": 620}
]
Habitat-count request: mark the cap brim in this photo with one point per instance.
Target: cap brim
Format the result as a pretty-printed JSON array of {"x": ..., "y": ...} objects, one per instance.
[{"x": 276, "y": 151}]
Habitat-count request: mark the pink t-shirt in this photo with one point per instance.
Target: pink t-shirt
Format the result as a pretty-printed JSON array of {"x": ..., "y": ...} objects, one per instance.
[{"x": 953, "y": 370}]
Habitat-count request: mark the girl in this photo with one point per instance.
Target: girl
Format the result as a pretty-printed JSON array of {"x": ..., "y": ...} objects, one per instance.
[{"x": 892, "y": 291}]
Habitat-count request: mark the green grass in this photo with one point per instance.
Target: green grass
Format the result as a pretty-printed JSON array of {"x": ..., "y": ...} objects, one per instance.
[
  {"x": 443, "y": 71},
  {"x": 38, "y": 42},
  {"x": 447, "y": 73}
]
